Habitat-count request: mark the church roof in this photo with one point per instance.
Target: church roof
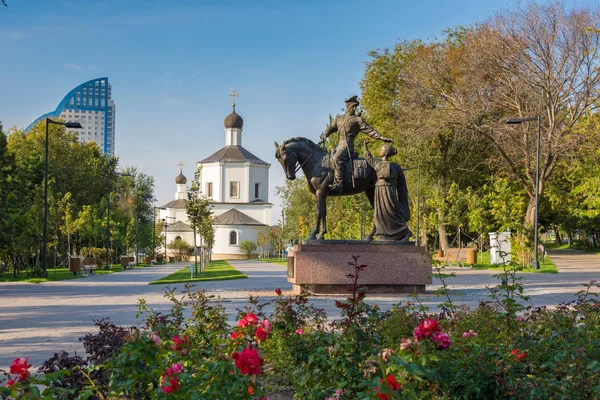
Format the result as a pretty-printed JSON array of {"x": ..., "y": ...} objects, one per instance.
[
  {"x": 180, "y": 203},
  {"x": 179, "y": 226},
  {"x": 233, "y": 154},
  {"x": 235, "y": 217}
]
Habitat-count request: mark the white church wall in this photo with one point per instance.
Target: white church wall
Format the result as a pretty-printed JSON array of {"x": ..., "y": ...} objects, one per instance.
[
  {"x": 259, "y": 174},
  {"x": 212, "y": 173},
  {"x": 235, "y": 173},
  {"x": 223, "y": 250}
]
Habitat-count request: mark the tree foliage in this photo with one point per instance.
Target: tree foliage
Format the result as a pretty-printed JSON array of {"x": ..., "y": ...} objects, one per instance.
[{"x": 77, "y": 198}]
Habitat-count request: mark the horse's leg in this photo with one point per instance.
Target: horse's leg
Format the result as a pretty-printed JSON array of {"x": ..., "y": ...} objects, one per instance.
[
  {"x": 371, "y": 196},
  {"x": 323, "y": 205},
  {"x": 318, "y": 215}
]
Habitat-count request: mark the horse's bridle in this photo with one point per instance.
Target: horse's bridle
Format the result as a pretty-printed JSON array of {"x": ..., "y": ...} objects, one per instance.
[{"x": 307, "y": 158}]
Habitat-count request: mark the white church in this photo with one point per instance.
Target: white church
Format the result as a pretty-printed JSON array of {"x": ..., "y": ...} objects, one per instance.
[{"x": 236, "y": 183}]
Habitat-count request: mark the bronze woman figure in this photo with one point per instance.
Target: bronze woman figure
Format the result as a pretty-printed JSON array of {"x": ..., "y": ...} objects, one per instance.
[{"x": 389, "y": 223}]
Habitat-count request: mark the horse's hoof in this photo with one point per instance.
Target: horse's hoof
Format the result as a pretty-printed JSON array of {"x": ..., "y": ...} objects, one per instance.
[
  {"x": 321, "y": 237},
  {"x": 370, "y": 238},
  {"x": 312, "y": 237}
]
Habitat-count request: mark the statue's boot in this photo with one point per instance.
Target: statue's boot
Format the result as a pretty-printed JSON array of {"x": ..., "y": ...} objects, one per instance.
[{"x": 338, "y": 181}]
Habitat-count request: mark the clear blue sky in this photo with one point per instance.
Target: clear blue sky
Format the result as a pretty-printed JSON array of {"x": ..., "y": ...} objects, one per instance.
[{"x": 172, "y": 65}]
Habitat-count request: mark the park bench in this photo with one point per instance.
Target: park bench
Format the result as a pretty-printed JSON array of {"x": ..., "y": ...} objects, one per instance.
[
  {"x": 454, "y": 255},
  {"x": 89, "y": 266}
]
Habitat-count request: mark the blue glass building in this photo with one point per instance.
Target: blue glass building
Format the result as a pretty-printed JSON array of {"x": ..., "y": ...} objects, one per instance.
[{"x": 91, "y": 105}]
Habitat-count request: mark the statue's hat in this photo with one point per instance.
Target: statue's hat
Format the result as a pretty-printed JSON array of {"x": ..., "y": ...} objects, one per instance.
[{"x": 352, "y": 100}]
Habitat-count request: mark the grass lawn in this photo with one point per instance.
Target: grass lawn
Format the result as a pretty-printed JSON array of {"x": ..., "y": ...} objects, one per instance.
[
  {"x": 61, "y": 274},
  {"x": 215, "y": 271},
  {"x": 483, "y": 262},
  {"x": 275, "y": 260},
  {"x": 58, "y": 274}
]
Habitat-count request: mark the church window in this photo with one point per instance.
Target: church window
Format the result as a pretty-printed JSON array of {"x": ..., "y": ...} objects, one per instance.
[
  {"x": 209, "y": 189},
  {"x": 233, "y": 190},
  {"x": 256, "y": 190},
  {"x": 177, "y": 237},
  {"x": 233, "y": 238}
]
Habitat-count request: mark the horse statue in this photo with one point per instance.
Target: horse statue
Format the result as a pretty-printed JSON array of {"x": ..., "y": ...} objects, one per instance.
[{"x": 315, "y": 163}]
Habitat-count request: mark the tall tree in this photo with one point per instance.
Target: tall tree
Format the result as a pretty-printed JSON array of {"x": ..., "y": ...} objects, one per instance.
[
  {"x": 537, "y": 59},
  {"x": 199, "y": 211}
]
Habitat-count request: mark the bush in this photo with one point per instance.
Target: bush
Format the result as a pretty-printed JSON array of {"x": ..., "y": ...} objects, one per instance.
[
  {"x": 406, "y": 353},
  {"x": 97, "y": 254},
  {"x": 248, "y": 247}
]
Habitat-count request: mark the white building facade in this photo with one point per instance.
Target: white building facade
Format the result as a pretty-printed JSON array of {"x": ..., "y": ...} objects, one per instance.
[{"x": 236, "y": 182}]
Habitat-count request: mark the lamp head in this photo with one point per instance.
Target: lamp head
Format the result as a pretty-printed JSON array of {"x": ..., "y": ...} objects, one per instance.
[{"x": 74, "y": 125}]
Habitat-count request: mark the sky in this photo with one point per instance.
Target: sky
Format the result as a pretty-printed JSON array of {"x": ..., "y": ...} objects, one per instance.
[{"x": 172, "y": 65}]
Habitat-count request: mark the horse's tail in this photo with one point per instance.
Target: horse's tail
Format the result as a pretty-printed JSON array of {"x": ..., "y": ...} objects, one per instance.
[{"x": 402, "y": 194}]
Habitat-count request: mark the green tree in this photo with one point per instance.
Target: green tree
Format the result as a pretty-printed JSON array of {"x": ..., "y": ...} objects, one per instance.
[
  {"x": 199, "y": 212},
  {"x": 248, "y": 246},
  {"x": 180, "y": 247}
]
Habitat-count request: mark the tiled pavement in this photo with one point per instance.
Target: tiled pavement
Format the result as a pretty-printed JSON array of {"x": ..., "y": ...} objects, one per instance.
[{"x": 38, "y": 320}]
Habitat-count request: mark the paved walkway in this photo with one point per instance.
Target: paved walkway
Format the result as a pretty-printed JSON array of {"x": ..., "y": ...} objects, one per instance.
[{"x": 38, "y": 320}]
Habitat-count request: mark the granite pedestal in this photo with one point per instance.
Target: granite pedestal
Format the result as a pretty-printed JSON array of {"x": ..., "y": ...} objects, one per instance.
[{"x": 321, "y": 266}]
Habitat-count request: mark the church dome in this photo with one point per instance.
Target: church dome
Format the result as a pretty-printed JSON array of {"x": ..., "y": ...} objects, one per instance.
[
  {"x": 233, "y": 120},
  {"x": 181, "y": 179}
]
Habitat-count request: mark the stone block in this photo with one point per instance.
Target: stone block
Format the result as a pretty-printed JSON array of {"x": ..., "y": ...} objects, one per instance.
[{"x": 321, "y": 266}]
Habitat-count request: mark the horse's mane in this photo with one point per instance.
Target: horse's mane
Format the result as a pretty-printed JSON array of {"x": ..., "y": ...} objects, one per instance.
[{"x": 302, "y": 140}]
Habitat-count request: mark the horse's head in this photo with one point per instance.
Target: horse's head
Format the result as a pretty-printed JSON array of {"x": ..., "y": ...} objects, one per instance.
[{"x": 288, "y": 160}]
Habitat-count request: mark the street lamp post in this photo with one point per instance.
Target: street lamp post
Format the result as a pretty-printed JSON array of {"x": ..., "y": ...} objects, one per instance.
[
  {"x": 73, "y": 125},
  {"x": 513, "y": 121},
  {"x": 154, "y": 230},
  {"x": 418, "y": 167}
]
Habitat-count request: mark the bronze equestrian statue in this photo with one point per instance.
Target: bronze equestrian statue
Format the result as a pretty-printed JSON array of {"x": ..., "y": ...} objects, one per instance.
[
  {"x": 347, "y": 126},
  {"x": 357, "y": 177}
]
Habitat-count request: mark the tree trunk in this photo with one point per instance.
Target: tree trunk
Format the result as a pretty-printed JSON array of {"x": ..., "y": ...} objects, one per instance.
[
  {"x": 557, "y": 238},
  {"x": 530, "y": 213},
  {"x": 570, "y": 233},
  {"x": 442, "y": 231},
  {"x": 423, "y": 240}
]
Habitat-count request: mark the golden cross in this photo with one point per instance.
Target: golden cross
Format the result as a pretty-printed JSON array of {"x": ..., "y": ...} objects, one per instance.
[
  {"x": 181, "y": 165},
  {"x": 234, "y": 97}
]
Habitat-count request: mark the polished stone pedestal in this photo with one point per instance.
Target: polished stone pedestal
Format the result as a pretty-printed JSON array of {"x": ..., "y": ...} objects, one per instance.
[{"x": 321, "y": 266}]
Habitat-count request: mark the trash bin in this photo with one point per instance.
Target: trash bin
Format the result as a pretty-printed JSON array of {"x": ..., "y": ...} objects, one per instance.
[
  {"x": 74, "y": 265},
  {"x": 471, "y": 256}
]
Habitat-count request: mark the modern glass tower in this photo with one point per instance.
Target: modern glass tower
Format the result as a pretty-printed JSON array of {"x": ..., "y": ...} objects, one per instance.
[{"x": 91, "y": 105}]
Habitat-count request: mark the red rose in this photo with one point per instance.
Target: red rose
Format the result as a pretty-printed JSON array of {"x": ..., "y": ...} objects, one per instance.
[
  {"x": 518, "y": 356},
  {"x": 236, "y": 335},
  {"x": 248, "y": 361},
  {"x": 251, "y": 319},
  {"x": 261, "y": 335},
  {"x": 278, "y": 292},
  {"x": 391, "y": 383},
  {"x": 11, "y": 382},
  {"x": 173, "y": 382},
  {"x": 179, "y": 343},
  {"x": 427, "y": 328},
  {"x": 250, "y": 390},
  {"x": 20, "y": 367}
]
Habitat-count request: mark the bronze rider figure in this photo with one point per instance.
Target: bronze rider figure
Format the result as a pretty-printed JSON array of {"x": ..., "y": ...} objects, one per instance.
[{"x": 348, "y": 126}]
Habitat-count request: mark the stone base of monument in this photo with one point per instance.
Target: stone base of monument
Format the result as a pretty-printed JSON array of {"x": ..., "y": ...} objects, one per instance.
[{"x": 321, "y": 266}]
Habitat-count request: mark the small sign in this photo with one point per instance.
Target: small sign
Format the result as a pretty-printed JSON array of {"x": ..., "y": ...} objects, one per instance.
[{"x": 290, "y": 271}]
